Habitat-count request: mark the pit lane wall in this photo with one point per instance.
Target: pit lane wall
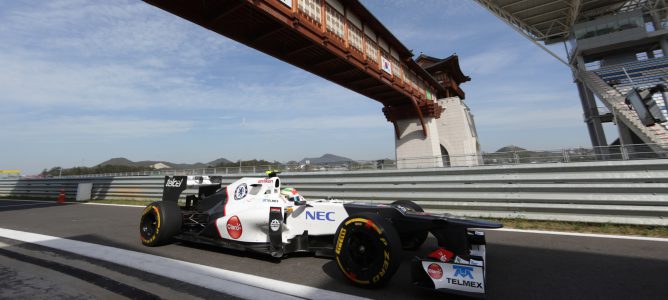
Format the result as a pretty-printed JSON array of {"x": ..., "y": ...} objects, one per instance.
[{"x": 627, "y": 192}]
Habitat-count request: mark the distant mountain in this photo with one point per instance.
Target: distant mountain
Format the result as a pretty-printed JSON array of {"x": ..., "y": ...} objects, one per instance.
[
  {"x": 118, "y": 161},
  {"x": 122, "y": 161},
  {"x": 510, "y": 148},
  {"x": 325, "y": 159},
  {"x": 219, "y": 161}
]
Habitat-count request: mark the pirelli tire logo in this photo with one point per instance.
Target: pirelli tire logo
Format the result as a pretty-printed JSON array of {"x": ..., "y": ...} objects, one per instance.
[
  {"x": 383, "y": 269},
  {"x": 339, "y": 241}
]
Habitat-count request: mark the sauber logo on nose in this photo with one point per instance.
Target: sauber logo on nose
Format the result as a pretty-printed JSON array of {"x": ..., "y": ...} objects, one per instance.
[
  {"x": 435, "y": 271},
  {"x": 173, "y": 182},
  {"x": 275, "y": 225},
  {"x": 234, "y": 228}
]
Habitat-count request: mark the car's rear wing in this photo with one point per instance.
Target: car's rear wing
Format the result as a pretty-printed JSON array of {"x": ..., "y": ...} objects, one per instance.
[{"x": 173, "y": 186}]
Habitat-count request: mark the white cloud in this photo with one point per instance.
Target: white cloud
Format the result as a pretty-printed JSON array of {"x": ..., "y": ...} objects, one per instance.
[
  {"x": 492, "y": 61},
  {"x": 445, "y": 7},
  {"x": 112, "y": 30},
  {"x": 521, "y": 93},
  {"x": 318, "y": 123},
  {"x": 520, "y": 118},
  {"x": 91, "y": 127},
  {"x": 30, "y": 81}
]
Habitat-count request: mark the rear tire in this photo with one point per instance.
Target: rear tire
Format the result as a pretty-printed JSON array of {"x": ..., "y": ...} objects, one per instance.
[
  {"x": 367, "y": 250},
  {"x": 414, "y": 239},
  {"x": 159, "y": 222}
]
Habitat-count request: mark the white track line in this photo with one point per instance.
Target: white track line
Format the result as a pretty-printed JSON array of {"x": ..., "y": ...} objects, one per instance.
[
  {"x": 87, "y": 203},
  {"x": 607, "y": 236},
  {"x": 227, "y": 282},
  {"x": 29, "y": 204},
  {"x": 110, "y": 204},
  {"x": 17, "y": 200}
]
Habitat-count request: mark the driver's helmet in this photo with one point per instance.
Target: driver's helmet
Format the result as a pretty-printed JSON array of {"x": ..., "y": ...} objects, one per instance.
[{"x": 290, "y": 194}]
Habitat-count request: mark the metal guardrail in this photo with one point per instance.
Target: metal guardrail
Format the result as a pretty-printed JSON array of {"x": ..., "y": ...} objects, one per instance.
[
  {"x": 624, "y": 192},
  {"x": 607, "y": 153}
]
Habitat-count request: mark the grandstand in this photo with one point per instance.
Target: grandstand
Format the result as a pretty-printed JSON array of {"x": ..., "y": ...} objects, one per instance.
[{"x": 618, "y": 54}]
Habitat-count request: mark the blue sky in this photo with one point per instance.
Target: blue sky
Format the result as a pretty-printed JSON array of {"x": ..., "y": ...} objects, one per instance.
[{"x": 84, "y": 81}]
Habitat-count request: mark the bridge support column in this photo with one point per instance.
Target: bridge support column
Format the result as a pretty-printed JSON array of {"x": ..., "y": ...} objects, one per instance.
[
  {"x": 457, "y": 134},
  {"x": 625, "y": 134},
  {"x": 591, "y": 115},
  {"x": 414, "y": 150}
]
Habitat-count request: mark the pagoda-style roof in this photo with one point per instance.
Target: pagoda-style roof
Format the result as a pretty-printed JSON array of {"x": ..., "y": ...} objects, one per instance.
[{"x": 448, "y": 65}]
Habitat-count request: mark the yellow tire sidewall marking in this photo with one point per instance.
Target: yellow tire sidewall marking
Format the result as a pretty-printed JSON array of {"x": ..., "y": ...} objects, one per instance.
[{"x": 157, "y": 227}]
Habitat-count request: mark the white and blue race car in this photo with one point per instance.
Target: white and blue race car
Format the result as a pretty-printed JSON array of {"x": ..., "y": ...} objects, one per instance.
[{"x": 366, "y": 239}]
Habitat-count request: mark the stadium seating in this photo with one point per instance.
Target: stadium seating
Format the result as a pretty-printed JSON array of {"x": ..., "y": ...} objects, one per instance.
[{"x": 642, "y": 73}]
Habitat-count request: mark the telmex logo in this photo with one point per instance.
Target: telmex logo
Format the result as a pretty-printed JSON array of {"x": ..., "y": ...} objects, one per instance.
[
  {"x": 320, "y": 215},
  {"x": 265, "y": 181},
  {"x": 172, "y": 182},
  {"x": 463, "y": 271}
]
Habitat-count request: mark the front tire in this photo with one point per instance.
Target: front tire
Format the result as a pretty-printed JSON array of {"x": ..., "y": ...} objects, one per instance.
[
  {"x": 159, "y": 222},
  {"x": 367, "y": 250}
]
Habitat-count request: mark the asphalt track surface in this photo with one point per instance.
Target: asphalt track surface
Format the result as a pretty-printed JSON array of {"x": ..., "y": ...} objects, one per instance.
[{"x": 520, "y": 265}]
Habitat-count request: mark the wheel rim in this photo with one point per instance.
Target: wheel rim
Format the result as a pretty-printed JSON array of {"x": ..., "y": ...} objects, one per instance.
[
  {"x": 363, "y": 254},
  {"x": 149, "y": 224},
  {"x": 362, "y": 250}
]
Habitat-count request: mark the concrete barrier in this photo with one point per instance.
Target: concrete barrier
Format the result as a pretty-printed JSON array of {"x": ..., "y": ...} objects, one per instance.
[{"x": 627, "y": 192}]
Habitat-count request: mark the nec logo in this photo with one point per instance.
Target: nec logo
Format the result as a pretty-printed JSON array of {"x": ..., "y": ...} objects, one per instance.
[{"x": 320, "y": 215}]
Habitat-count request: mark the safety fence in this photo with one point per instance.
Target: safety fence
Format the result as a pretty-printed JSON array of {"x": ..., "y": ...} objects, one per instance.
[
  {"x": 516, "y": 157},
  {"x": 623, "y": 192}
]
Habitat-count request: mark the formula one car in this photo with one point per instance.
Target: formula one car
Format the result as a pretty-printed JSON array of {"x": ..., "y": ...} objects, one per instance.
[{"x": 365, "y": 239}]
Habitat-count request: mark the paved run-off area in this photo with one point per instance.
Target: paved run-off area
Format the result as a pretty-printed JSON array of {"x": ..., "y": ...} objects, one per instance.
[{"x": 521, "y": 265}]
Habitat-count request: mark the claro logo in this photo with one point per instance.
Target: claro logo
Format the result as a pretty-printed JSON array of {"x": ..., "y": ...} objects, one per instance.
[
  {"x": 320, "y": 215},
  {"x": 234, "y": 228},
  {"x": 435, "y": 271}
]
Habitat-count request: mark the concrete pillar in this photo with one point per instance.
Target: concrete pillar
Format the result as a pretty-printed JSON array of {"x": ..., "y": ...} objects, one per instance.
[
  {"x": 663, "y": 42},
  {"x": 457, "y": 133},
  {"x": 591, "y": 115},
  {"x": 414, "y": 150},
  {"x": 592, "y": 118},
  {"x": 625, "y": 134},
  {"x": 658, "y": 25},
  {"x": 625, "y": 139}
]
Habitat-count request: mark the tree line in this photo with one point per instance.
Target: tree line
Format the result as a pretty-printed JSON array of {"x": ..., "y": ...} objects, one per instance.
[{"x": 56, "y": 171}]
